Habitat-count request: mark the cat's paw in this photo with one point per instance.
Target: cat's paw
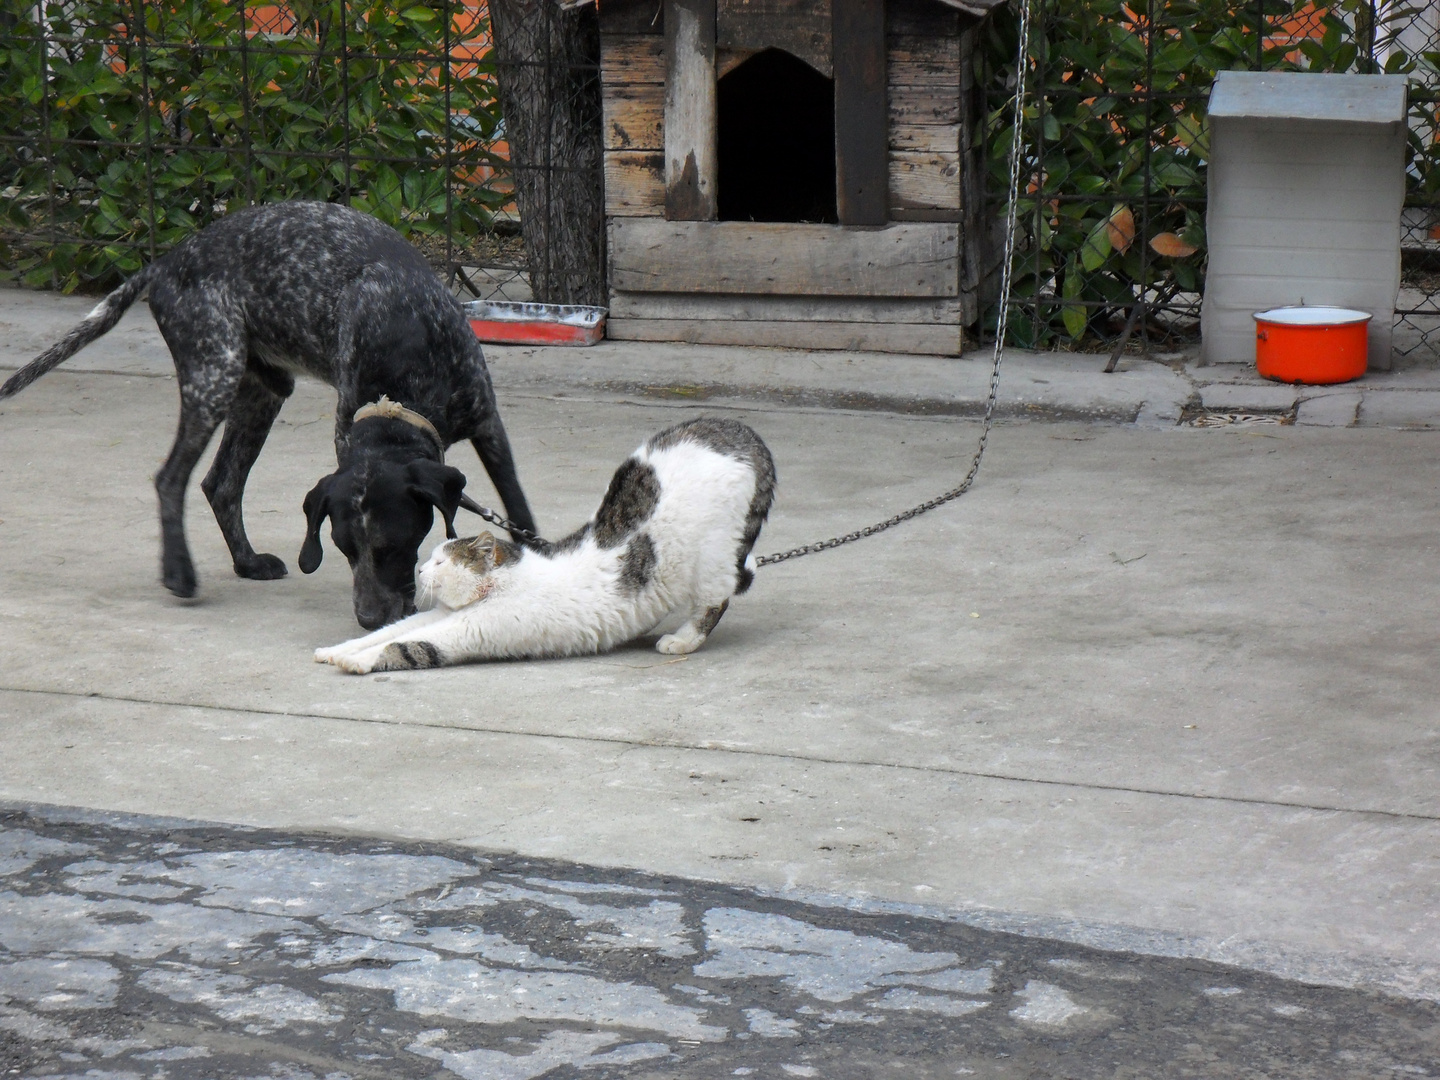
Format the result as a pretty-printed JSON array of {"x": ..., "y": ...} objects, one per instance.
[
  {"x": 328, "y": 656},
  {"x": 679, "y": 643},
  {"x": 408, "y": 656},
  {"x": 357, "y": 663}
]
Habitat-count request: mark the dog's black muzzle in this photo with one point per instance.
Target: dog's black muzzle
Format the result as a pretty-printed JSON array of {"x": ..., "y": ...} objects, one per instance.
[{"x": 374, "y": 608}]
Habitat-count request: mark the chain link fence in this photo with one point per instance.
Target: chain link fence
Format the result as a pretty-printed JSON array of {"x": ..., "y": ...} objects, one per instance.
[
  {"x": 127, "y": 124},
  {"x": 1112, "y": 219}
]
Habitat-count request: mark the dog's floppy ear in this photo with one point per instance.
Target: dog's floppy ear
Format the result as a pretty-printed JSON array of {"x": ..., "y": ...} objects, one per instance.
[
  {"x": 317, "y": 509},
  {"x": 440, "y": 486}
]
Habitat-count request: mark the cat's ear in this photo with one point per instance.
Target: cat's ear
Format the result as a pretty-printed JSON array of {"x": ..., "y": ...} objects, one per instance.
[
  {"x": 317, "y": 509},
  {"x": 486, "y": 549},
  {"x": 440, "y": 486}
]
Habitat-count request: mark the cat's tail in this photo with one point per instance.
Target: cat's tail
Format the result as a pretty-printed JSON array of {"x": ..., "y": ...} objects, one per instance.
[{"x": 100, "y": 321}]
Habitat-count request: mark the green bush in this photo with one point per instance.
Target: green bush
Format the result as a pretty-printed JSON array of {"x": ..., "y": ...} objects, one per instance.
[
  {"x": 1117, "y": 141},
  {"x": 104, "y": 117}
]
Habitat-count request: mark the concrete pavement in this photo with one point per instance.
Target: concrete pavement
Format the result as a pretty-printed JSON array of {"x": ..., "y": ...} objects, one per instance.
[{"x": 1148, "y": 687}]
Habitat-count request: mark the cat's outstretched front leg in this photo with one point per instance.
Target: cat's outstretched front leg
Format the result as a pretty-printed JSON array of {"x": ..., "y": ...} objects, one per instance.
[
  {"x": 384, "y": 635},
  {"x": 430, "y": 644},
  {"x": 392, "y": 656},
  {"x": 693, "y": 634}
]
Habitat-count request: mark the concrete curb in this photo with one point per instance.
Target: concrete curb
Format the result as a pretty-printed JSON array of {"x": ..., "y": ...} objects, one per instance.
[{"x": 1153, "y": 393}]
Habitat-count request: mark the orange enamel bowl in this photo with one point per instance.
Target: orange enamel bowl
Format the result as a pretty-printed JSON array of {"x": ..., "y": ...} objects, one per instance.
[{"x": 1311, "y": 344}]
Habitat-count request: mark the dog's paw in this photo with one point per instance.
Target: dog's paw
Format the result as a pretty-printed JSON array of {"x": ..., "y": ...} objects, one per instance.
[
  {"x": 679, "y": 643},
  {"x": 177, "y": 573},
  {"x": 261, "y": 568}
]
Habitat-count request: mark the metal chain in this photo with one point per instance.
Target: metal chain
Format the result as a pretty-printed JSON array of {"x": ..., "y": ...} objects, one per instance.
[
  {"x": 509, "y": 526},
  {"x": 1000, "y": 330},
  {"x": 914, "y": 511}
]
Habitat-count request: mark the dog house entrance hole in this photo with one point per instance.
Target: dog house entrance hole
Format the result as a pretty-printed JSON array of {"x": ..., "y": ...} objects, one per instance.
[{"x": 776, "y": 141}]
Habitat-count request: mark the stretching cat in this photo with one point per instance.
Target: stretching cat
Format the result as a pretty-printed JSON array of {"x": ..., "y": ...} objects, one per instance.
[{"x": 672, "y": 537}]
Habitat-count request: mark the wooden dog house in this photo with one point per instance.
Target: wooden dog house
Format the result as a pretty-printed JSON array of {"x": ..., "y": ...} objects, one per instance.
[{"x": 801, "y": 173}]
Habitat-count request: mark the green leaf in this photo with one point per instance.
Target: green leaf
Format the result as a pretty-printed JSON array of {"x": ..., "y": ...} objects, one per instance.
[{"x": 1096, "y": 248}]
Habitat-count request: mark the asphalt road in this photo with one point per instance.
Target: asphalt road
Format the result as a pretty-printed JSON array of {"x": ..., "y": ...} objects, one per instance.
[{"x": 135, "y": 947}]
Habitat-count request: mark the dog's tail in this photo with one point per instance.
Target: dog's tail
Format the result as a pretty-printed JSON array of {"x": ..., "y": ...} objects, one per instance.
[{"x": 100, "y": 321}]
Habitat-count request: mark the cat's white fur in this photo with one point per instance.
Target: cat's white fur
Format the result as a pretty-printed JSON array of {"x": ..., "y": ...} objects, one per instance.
[{"x": 582, "y": 598}]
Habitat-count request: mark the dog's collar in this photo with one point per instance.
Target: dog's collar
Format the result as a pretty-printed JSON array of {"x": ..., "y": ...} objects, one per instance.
[{"x": 393, "y": 410}]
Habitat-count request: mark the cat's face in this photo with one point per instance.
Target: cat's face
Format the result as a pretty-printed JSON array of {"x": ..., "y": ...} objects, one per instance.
[{"x": 459, "y": 572}]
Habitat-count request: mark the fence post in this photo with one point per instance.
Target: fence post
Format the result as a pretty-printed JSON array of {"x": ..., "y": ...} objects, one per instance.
[
  {"x": 148, "y": 105},
  {"x": 1039, "y": 223},
  {"x": 47, "y": 145},
  {"x": 1259, "y": 35},
  {"x": 1143, "y": 237},
  {"x": 345, "y": 96},
  {"x": 246, "y": 105},
  {"x": 445, "y": 60}
]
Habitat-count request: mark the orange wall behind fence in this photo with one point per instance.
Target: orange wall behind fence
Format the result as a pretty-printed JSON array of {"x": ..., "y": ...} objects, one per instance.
[{"x": 469, "y": 42}]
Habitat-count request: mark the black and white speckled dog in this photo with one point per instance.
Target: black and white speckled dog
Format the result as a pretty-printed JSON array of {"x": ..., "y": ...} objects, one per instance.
[{"x": 315, "y": 289}]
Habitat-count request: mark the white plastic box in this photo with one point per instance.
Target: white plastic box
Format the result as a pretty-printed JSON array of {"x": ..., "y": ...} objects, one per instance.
[{"x": 1307, "y": 181}]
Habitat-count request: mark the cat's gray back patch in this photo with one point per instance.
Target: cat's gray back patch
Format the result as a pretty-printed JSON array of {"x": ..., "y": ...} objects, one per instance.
[
  {"x": 637, "y": 568},
  {"x": 628, "y": 504},
  {"x": 724, "y": 436}
]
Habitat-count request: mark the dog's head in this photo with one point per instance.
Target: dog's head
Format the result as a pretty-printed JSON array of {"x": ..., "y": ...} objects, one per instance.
[{"x": 379, "y": 513}]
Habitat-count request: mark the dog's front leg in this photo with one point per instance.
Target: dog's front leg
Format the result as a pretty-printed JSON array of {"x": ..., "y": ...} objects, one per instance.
[{"x": 386, "y": 634}]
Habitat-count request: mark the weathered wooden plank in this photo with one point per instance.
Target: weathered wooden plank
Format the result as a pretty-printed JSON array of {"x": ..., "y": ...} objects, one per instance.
[
  {"x": 922, "y": 17},
  {"x": 860, "y": 117},
  {"x": 980, "y": 253},
  {"x": 926, "y": 138},
  {"x": 910, "y": 74},
  {"x": 923, "y": 105},
  {"x": 924, "y": 340},
  {"x": 632, "y": 58},
  {"x": 727, "y": 60},
  {"x": 634, "y": 183},
  {"x": 933, "y": 51},
  {"x": 863, "y": 309},
  {"x": 632, "y": 17},
  {"x": 923, "y": 73},
  {"x": 635, "y": 117},
  {"x": 925, "y": 213},
  {"x": 923, "y": 180},
  {"x": 909, "y": 259},
  {"x": 691, "y": 111},
  {"x": 800, "y": 27}
]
